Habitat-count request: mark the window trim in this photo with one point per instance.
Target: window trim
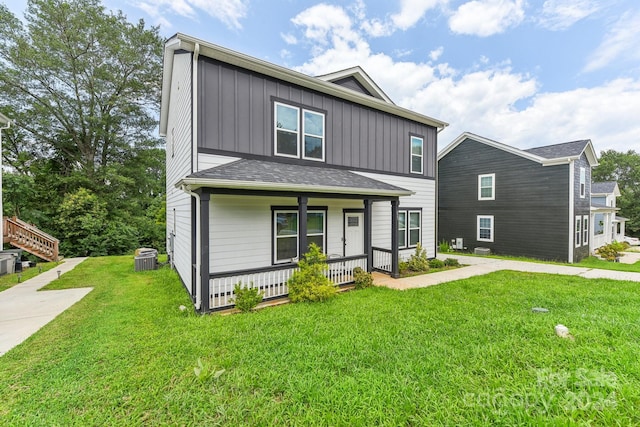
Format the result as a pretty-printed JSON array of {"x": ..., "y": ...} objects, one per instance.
[
  {"x": 585, "y": 230},
  {"x": 407, "y": 224},
  {"x": 493, "y": 186},
  {"x": 294, "y": 209},
  {"x": 577, "y": 231},
  {"x": 301, "y": 132},
  {"x": 491, "y": 229},
  {"x": 421, "y": 155},
  {"x": 583, "y": 182}
]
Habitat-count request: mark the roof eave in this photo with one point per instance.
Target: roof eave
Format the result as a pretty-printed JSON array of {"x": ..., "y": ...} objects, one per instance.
[{"x": 491, "y": 143}]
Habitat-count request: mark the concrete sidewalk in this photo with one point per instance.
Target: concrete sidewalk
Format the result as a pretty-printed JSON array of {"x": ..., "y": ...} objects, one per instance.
[
  {"x": 24, "y": 310},
  {"x": 477, "y": 266}
]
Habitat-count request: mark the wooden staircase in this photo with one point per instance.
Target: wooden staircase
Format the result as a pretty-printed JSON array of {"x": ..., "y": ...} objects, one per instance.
[{"x": 29, "y": 238}]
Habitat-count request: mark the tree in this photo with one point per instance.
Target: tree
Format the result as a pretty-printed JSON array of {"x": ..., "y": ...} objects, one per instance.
[
  {"x": 625, "y": 169},
  {"x": 83, "y": 86}
]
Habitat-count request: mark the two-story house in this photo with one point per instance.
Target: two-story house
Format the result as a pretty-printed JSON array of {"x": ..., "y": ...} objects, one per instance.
[
  {"x": 607, "y": 226},
  {"x": 263, "y": 160},
  {"x": 534, "y": 203}
]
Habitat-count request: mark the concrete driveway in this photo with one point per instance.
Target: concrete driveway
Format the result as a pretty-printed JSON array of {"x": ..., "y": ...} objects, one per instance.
[{"x": 24, "y": 310}]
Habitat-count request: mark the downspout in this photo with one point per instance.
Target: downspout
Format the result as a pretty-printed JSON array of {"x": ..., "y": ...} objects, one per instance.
[
  {"x": 198, "y": 301},
  {"x": 1, "y": 207},
  {"x": 194, "y": 108}
]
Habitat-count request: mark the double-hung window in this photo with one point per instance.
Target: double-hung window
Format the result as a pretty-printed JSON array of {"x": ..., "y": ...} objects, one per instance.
[
  {"x": 299, "y": 133},
  {"x": 585, "y": 229},
  {"x": 417, "y": 147},
  {"x": 578, "y": 230},
  {"x": 485, "y": 228},
  {"x": 487, "y": 187},
  {"x": 409, "y": 228},
  {"x": 286, "y": 233}
]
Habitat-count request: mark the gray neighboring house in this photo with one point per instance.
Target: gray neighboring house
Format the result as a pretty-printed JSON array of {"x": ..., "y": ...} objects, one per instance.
[
  {"x": 533, "y": 203},
  {"x": 263, "y": 160},
  {"x": 607, "y": 225}
]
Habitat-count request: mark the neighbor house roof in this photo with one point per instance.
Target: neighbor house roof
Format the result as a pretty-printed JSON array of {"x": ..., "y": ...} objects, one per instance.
[
  {"x": 250, "y": 174},
  {"x": 603, "y": 188},
  {"x": 546, "y": 155},
  {"x": 199, "y": 47}
]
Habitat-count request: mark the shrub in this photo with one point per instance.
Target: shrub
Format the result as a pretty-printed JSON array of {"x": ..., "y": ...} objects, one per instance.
[
  {"x": 309, "y": 283},
  {"x": 247, "y": 298},
  {"x": 436, "y": 263},
  {"x": 444, "y": 247},
  {"x": 451, "y": 262},
  {"x": 403, "y": 267},
  {"x": 363, "y": 279},
  {"x": 611, "y": 251},
  {"x": 418, "y": 262}
]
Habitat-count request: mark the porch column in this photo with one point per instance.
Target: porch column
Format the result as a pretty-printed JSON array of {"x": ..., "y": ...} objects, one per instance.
[
  {"x": 302, "y": 226},
  {"x": 395, "y": 254},
  {"x": 368, "y": 203},
  {"x": 204, "y": 251}
]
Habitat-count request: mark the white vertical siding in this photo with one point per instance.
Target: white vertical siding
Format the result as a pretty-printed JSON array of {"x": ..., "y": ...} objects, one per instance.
[
  {"x": 178, "y": 147},
  {"x": 424, "y": 197},
  {"x": 208, "y": 161}
]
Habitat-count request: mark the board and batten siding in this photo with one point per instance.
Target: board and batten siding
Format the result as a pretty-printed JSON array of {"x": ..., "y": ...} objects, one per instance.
[
  {"x": 235, "y": 108},
  {"x": 241, "y": 228},
  {"x": 178, "y": 165},
  {"x": 531, "y": 206},
  {"x": 423, "y": 198}
]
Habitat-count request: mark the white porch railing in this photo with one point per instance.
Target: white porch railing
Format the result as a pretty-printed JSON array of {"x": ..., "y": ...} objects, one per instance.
[
  {"x": 273, "y": 280},
  {"x": 382, "y": 259}
]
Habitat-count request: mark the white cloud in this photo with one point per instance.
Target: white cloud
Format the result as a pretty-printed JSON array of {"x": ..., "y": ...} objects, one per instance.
[
  {"x": 435, "y": 54},
  {"x": 411, "y": 11},
  {"x": 230, "y": 12},
  {"x": 621, "y": 42},
  {"x": 562, "y": 14},
  {"x": 377, "y": 28},
  {"x": 289, "y": 38},
  {"x": 487, "y": 17}
]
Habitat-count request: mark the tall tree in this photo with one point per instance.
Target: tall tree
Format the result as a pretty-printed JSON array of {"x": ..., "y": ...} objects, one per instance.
[
  {"x": 83, "y": 87},
  {"x": 625, "y": 169}
]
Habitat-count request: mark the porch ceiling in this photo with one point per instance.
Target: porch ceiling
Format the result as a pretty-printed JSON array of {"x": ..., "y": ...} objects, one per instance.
[{"x": 250, "y": 174}]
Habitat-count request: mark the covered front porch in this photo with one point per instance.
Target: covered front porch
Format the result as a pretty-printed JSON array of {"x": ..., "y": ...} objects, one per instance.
[{"x": 248, "y": 227}]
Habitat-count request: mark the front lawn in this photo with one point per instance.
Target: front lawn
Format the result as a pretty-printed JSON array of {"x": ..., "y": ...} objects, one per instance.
[
  {"x": 9, "y": 280},
  {"x": 594, "y": 262},
  {"x": 470, "y": 352}
]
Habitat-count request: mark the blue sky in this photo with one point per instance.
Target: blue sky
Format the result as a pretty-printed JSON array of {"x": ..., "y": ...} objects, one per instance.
[{"x": 525, "y": 73}]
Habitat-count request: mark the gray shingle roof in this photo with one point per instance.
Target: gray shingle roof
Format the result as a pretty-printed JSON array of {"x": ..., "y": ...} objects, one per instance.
[
  {"x": 556, "y": 151},
  {"x": 310, "y": 178},
  {"x": 603, "y": 187}
]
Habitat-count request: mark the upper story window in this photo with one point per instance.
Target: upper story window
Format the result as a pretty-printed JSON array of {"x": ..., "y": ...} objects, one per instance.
[
  {"x": 583, "y": 182},
  {"x": 299, "y": 133},
  {"x": 417, "y": 146},
  {"x": 487, "y": 187}
]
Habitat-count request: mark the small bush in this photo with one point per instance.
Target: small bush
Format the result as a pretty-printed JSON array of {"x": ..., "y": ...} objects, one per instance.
[
  {"x": 611, "y": 251},
  {"x": 436, "y": 263},
  {"x": 247, "y": 298},
  {"x": 309, "y": 283},
  {"x": 451, "y": 262},
  {"x": 362, "y": 279},
  {"x": 444, "y": 247},
  {"x": 418, "y": 262}
]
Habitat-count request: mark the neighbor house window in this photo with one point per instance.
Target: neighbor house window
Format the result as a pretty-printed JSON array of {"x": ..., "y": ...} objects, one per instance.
[
  {"x": 417, "y": 146},
  {"x": 583, "y": 182},
  {"x": 578, "y": 230},
  {"x": 486, "y": 186},
  {"x": 598, "y": 224},
  {"x": 485, "y": 228},
  {"x": 409, "y": 228},
  {"x": 285, "y": 226},
  {"x": 585, "y": 230},
  {"x": 299, "y": 133}
]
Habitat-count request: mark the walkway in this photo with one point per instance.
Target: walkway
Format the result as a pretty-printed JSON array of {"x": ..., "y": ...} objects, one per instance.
[
  {"x": 24, "y": 310},
  {"x": 477, "y": 266}
]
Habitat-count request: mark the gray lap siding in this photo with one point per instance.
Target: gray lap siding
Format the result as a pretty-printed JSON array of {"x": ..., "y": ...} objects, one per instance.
[{"x": 530, "y": 208}]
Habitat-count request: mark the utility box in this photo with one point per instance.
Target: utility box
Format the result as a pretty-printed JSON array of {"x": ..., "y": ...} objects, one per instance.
[
  {"x": 457, "y": 243},
  {"x": 482, "y": 251},
  {"x": 146, "y": 259}
]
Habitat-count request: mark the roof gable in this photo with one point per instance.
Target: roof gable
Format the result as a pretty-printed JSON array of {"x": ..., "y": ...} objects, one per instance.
[
  {"x": 573, "y": 149},
  {"x": 361, "y": 79},
  {"x": 604, "y": 188}
]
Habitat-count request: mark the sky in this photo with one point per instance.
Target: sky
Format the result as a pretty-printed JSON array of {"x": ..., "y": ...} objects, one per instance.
[{"x": 524, "y": 73}]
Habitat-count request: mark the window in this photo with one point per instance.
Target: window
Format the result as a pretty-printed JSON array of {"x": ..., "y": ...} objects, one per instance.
[
  {"x": 583, "y": 182},
  {"x": 409, "y": 228},
  {"x": 286, "y": 233},
  {"x": 586, "y": 231},
  {"x": 298, "y": 132},
  {"x": 417, "y": 145},
  {"x": 486, "y": 186},
  {"x": 598, "y": 224},
  {"x": 485, "y": 228},
  {"x": 578, "y": 230}
]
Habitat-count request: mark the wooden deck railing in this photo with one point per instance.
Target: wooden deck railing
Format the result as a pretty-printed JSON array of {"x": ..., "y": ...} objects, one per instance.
[
  {"x": 273, "y": 280},
  {"x": 29, "y": 238}
]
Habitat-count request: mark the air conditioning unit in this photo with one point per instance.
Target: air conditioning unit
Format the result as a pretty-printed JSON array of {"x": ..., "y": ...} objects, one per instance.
[{"x": 457, "y": 243}]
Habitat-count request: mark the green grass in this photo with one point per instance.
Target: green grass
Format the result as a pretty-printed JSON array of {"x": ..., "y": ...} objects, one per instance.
[
  {"x": 9, "y": 280},
  {"x": 463, "y": 353}
]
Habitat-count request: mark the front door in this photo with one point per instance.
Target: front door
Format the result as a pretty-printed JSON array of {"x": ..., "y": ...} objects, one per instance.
[{"x": 353, "y": 233}]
